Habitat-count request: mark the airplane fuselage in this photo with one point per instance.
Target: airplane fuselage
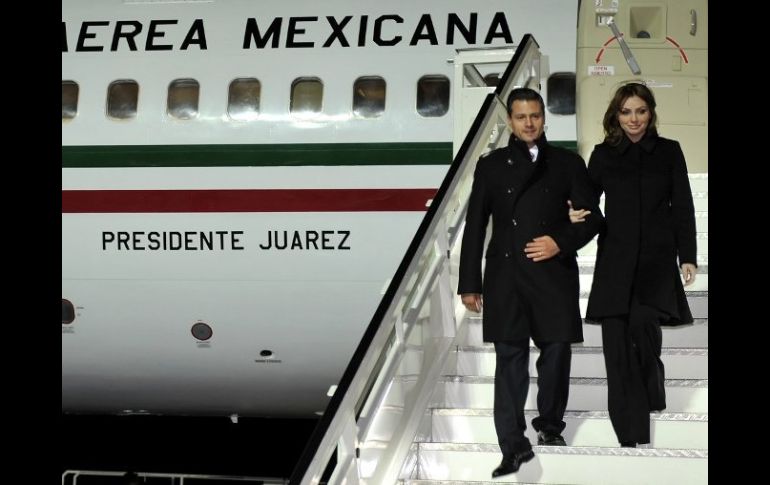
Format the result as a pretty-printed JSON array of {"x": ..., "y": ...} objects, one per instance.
[{"x": 224, "y": 256}]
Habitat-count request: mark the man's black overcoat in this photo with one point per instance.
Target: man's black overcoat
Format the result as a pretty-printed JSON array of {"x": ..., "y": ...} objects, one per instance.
[{"x": 522, "y": 298}]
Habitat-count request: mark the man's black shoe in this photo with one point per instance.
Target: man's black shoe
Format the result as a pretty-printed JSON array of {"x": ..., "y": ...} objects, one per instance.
[
  {"x": 512, "y": 464},
  {"x": 628, "y": 444},
  {"x": 550, "y": 439}
]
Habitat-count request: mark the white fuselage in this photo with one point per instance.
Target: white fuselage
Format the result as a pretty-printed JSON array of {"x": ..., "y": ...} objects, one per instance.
[{"x": 280, "y": 232}]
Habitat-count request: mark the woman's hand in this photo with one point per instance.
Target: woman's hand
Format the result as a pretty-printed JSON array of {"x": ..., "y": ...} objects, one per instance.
[
  {"x": 472, "y": 302},
  {"x": 576, "y": 216},
  {"x": 688, "y": 273}
]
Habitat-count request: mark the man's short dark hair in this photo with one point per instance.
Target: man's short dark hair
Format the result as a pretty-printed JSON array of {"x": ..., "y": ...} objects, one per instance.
[{"x": 523, "y": 94}]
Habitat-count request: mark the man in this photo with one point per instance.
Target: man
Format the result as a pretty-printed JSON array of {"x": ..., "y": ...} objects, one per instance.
[{"x": 530, "y": 287}]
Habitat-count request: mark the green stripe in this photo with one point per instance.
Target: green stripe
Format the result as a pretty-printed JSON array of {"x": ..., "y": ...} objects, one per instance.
[
  {"x": 257, "y": 155},
  {"x": 276, "y": 155},
  {"x": 569, "y": 145}
]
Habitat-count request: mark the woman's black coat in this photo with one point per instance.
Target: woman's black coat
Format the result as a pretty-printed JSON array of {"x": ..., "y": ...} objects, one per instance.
[
  {"x": 649, "y": 221},
  {"x": 522, "y": 298}
]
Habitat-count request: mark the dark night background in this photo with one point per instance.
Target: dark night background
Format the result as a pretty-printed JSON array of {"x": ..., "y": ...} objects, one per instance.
[{"x": 258, "y": 447}]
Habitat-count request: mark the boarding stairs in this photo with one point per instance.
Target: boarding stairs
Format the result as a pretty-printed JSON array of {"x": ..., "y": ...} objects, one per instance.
[
  {"x": 414, "y": 406},
  {"x": 111, "y": 477}
]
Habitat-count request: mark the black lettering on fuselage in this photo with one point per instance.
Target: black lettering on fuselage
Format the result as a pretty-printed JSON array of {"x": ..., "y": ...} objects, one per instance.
[
  {"x": 346, "y": 234},
  {"x": 125, "y": 35},
  {"x": 196, "y": 35},
  {"x": 378, "y": 30},
  {"x": 499, "y": 21},
  {"x": 122, "y": 239},
  {"x": 129, "y": 36},
  {"x": 468, "y": 33},
  {"x": 221, "y": 235},
  {"x": 296, "y": 241},
  {"x": 189, "y": 245},
  {"x": 85, "y": 34},
  {"x": 426, "y": 24},
  {"x": 172, "y": 240},
  {"x": 325, "y": 239},
  {"x": 252, "y": 33},
  {"x": 306, "y": 240},
  {"x": 206, "y": 241},
  {"x": 313, "y": 239},
  {"x": 154, "y": 242},
  {"x": 362, "y": 30},
  {"x": 152, "y": 34},
  {"x": 136, "y": 240},
  {"x": 300, "y": 32},
  {"x": 293, "y": 30},
  {"x": 234, "y": 240},
  {"x": 107, "y": 237},
  {"x": 337, "y": 31}
]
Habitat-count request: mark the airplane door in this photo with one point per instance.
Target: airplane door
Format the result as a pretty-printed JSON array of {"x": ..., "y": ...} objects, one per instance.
[{"x": 669, "y": 41}]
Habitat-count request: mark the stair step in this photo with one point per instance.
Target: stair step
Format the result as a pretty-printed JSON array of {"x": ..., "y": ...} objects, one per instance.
[
  {"x": 564, "y": 465},
  {"x": 694, "y": 335},
  {"x": 699, "y": 182},
  {"x": 586, "y": 362},
  {"x": 586, "y": 394},
  {"x": 584, "y": 428}
]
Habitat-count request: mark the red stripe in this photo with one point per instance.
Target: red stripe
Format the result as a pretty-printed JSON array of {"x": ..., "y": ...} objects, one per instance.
[
  {"x": 681, "y": 51},
  {"x": 599, "y": 57},
  {"x": 269, "y": 200},
  {"x": 601, "y": 52}
]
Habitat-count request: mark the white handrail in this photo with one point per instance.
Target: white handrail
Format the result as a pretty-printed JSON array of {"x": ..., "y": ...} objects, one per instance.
[{"x": 418, "y": 311}]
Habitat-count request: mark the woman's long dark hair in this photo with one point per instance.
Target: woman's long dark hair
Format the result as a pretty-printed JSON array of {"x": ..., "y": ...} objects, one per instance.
[{"x": 613, "y": 133}]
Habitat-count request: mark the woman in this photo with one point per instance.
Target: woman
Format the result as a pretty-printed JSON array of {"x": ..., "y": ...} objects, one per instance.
[{"x": 650, "y": 222}]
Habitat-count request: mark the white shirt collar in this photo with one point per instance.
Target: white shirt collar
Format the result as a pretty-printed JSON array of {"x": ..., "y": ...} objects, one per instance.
[{"x": 534, "y": 150}]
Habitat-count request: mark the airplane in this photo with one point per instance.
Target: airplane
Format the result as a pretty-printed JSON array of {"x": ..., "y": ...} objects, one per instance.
[{"x": 240, "y": 180}]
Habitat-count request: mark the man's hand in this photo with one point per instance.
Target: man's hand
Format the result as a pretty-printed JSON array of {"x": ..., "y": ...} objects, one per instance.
[
  {"x": 576, "y": 216},
  {"x": 472, "y": 301},
  {"x": 688, "y": 273},
  {"x": 541, "y": 248}
]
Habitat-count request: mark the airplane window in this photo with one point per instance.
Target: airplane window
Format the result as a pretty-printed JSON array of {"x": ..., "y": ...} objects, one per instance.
[
  {"x": 122, "y": 98},
  {"x": 69, "y": 99},
  {"x": 648, "y": 22},
  {"x": 492, "y": 79},
  {"x": 433, "y": 96},
  {"x": 369, "y": 96},
  {"x": 306, "y": 95},
  {"x": 561, "y": 93},
  {"x": 243, "y": 100},
  {"x": 183, "y": 97},
  {"x": 201, "y": 331},
  {"x": 67, "y": 312}
]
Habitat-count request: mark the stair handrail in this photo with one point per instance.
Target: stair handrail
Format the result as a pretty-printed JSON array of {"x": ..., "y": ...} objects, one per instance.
[{"x": 384, "y": 339}]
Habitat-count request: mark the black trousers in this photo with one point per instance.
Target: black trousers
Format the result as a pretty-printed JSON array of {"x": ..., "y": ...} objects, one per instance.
[
  {"x": 512, "y": 385},
  {"x": 635, "y": 374}
]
